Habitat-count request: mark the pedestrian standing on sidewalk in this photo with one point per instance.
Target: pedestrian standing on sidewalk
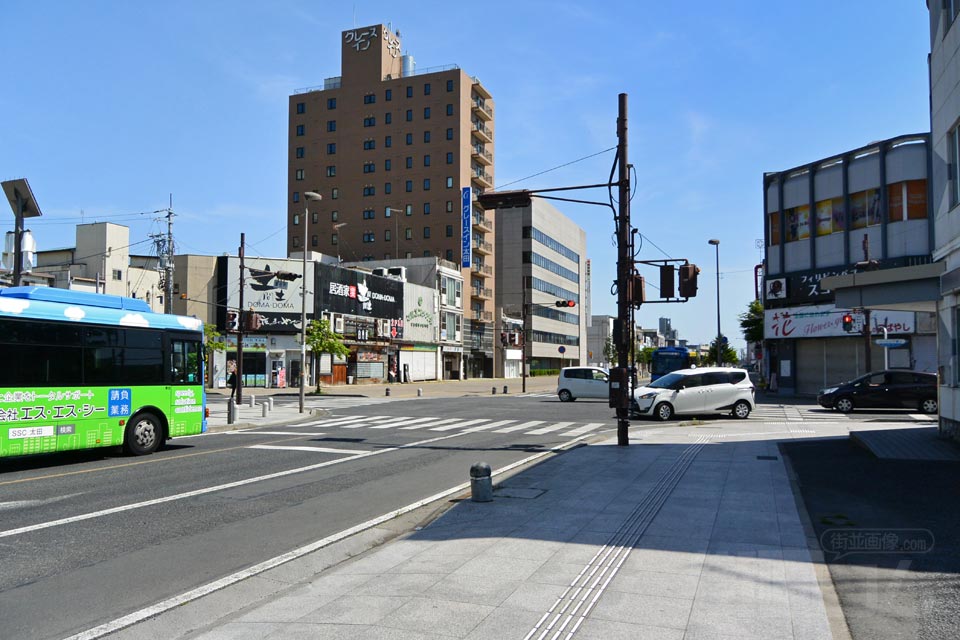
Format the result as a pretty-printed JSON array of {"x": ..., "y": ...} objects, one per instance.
[{"x": 232, "y": 381}]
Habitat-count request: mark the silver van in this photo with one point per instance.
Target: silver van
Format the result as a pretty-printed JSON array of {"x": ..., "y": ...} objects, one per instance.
[{"x": 582, "y": 382}]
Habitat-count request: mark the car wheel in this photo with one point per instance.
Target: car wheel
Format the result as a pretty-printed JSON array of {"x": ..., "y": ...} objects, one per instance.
[
  {"x": 741, "y": 410},
  {"x": 565, "y": 396},
  {"x": 143, "y": 434},
  {"x": 663, "y": 411},
  {"x": 929, "y": 405},
  {"x": 843, "y": 404}
]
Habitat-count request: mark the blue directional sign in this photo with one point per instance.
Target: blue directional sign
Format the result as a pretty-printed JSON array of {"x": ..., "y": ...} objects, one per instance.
[{"x": 466, "y": 234}]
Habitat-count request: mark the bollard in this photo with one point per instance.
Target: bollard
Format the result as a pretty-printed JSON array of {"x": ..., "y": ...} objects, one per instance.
[
  {"x": 231, "y": 411},
  {"x": 253, "y": 400},
  {"x": 387, "y": 391},
  {"x": 270, "y": 400},
  {"x": 264, "y": 408},
  {"x": 493, "y": 391},
  {"x": 504, "y": 389},
  {"x": 481, "y": 484},
  {"x": 419, "y": 392}
]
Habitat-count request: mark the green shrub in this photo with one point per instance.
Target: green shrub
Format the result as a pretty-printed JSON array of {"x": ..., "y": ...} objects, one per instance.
[{"x": 534, "y": 373}]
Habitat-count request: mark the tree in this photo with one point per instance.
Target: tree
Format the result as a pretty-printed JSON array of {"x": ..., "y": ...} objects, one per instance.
[
  {"x": 610, "y": 351},
  {"x": 322, "y": 339},
  {"x": 751, "y": 322},
  {"x": 729, "y": 354},
  {"x": 212, "y": 342}
]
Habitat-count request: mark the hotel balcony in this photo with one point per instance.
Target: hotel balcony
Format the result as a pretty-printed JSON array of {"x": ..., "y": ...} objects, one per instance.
[
  {"x": 481, "y": 155},
  {"x": 482, "y": 316},
  {"x": 482, "y": 110},
  {"x": 482, "y": 179},
  {"x": 481, "y": 270},
  {"x": 482, "y": 223},
  {"x": 483, "y": 248},
  {"x": 482, "y": 133},
  {"x": 481, "y": 293}
]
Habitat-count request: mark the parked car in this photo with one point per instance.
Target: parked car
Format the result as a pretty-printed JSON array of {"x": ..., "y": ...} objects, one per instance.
[
  {"x": 582, "y": 382},
  {"x": 695, "y": 392},
  {"x": 889, "y": 389}
]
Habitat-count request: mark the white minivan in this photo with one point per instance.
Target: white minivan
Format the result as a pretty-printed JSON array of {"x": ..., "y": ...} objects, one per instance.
[
  {"x": 582, "y": 382},
  {"x": 697, "y": 392}
]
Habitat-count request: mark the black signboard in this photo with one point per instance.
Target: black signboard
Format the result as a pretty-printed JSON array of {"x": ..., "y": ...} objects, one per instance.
[{"x": 357, "y": 293}]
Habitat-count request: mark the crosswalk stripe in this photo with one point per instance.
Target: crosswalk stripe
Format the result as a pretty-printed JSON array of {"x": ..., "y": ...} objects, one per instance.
[
  {"x": 492, "y": 425},
  {"x": 457, "y": 425},
  {"x": 552, "y": 427},
  {"x": 584, "y": 429},
  {"x": 388, "y": 425},
  {"x": 344, "y": 420},
  {"x": 430, "y": 424},
  {"x": 525, "y": 425},
  {"x": 346, "y": 452},
  {"x": 392, "y": 421}
]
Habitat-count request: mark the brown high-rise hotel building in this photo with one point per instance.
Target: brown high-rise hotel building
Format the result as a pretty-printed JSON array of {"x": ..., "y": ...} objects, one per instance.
[{"x": 390, "y": 150}]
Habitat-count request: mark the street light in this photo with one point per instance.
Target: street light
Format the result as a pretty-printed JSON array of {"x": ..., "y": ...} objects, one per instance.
[
  {"x": 716, "y": 244},
  {"x": 309, "y": 195}
]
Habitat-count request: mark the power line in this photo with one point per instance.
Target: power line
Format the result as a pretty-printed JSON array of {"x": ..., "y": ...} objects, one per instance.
[{"x": 557, "y": 167}]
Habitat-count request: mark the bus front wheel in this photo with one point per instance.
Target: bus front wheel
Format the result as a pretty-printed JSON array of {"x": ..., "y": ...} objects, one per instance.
[{"x": 143, "y": 435}]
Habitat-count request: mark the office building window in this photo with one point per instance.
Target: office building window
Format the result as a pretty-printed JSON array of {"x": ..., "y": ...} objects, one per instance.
[
  {"x": 449, "y": 85},
  {"x": 331, "y": 125},
  {"x": 299, "y": 174},
  {"x": 426, "y": 136},
  {"x": 296, "y": 196},
  {"x": 299, "y": 152},
  {"x": 301, "y": 107},
  {"x": 369, "y": 167},
  {"x": 368, "y": 214},
  {"x": 300, "y": 129},
  {"x": 409, "y": 115},
  {"x": 449, "y": 109},
  {"x": 369, "y": 191},
  {"x": 409, "y": 92},
  {"x": 426, "y": 232},
  {"x": 426, "y": 113},
  {"x": 388, "y": 118},
  {"x": 449, "y": 157},
  {"x": 331, "y": 171},
  {"x": 388, "y": 95},
  {"x": 331, "y": 103},
  {"x": 370, "y": 121},
  {"x": 426, "y": 160},
  {"x": 426, "y": 208},
  {"x": 449, "y": 230},
  {"x": 409, "y": 138},
  {"x": 331, "y": 148},
  {"x": 369, "y": 144},
  {"x": 369, "y": 98},
  {"x": 409, "y": 162},
  {"x": 408, "y": 186},
  {"x": 388, "y": 141},
  {"x": 387, "y": 187}
]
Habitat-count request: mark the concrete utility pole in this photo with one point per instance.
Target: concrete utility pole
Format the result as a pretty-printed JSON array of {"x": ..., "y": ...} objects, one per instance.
[
  {"x": 168, "y": 270},
  {"x": 624, "y": 267},
  {"x": 240, "y": 318}
]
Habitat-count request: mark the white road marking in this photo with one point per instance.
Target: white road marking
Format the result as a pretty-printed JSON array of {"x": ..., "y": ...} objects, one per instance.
[
  {"x": 553, "y": 427},
  {"x": 457, "y": 425},
  {"x": 387, "y": 425},
  {"x": 525, "y": 425},
  {"x": 274, "y": 447},
  {"x": 430, "y": 424},
  {"x": 584, "y": 429},
  {"x": 492, "y": 425}
]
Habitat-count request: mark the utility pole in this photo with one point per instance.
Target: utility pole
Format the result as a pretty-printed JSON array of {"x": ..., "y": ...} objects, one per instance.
[
  {"x": 523, "y": 320},
  {"x": 867, "y": 265},
  {"x": 240, "y": 319},
  {"x": 168, "y": 275},
  {"x": 624, "y": 267}
]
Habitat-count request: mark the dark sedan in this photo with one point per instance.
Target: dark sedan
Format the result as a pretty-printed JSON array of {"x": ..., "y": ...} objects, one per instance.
[{"x": 896, "y": 389}]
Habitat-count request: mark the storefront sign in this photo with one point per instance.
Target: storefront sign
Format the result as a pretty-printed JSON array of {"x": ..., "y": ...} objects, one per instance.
[
  {"x": 466, "y": 227},
  {"x": 358, "y": 293},
  {"x": 821, "y": 321},
  {"x": 803, "y": 287},
  {"x": 271, "y": 288}
]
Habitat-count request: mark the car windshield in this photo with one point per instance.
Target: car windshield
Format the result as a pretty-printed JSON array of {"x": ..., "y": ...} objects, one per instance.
[{"x": 666, "y": 382}]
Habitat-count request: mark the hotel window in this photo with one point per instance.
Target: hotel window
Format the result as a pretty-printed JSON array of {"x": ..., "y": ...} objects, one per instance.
[
  {"x": 331, "y": 171},
  {"x": 449, "y": 206},
  {"x": 450, "y": 134},
  {"x": 331, "y": 125},
  {"x": 409, "y": 92},
  {"x": 386, "y": 235},
  {"x": 370, "y": 121},
  {"x": 426, "y": 89},
  {"x": 369, "y": 214},
  {"x": 449, "y": 157},
  {"x": 409, "y": 115},
  {"x": 296, "y": 241},
  {"x": 388, "y": 95},
  {"x": 331, "y": 103},
  {"x": 449, "y": 85},
  {"x": 450, "y": 255},
  {"x": 426, "y": 136},
  {"x": 449, "y": 230},
  {"x": 299, "y": 174},
  {"x": 388, "y": 118},
  {"x": 296, "y": 196},
  {"x": 314, "y": 240},
  {"x": 334, "y": 215},
  {"x": 369, "y": 144},
  {"x": 408, "y": 210},
  {"x": 449, "y": 182},
  {"x": 387, "y": 164},
  {"x": 369, "y": 236},
  {"x": 426, "y": 113},
  {"x": 408, "y": 186},
  {"x": 296, "y": 219},
  {"x": 409, "y": 138},
  {"x": 334, "y": 193},
  {"x": 369, "y": 191},
  {"x": 301, "y": 107},
  {"x": 408, "y": 233},
  {"x": 426, "y": 160},
  {"x": 299, "y": 129},
  {"x": 369, "y": 167},
  {"x": 426, "y": 208},
  {"x": 426, "y": 184},
  {"x": 299, "y": 152},
  {"x": 388, "y": 141},
  {"x": 315, "y": 217},
  {"x": 387, "y": 187},
  {"x": 426, "y": 232},
  {"x": 334, "y": 238},
  {"x": 449, "y": 109},
  {"x": 409, "y": 162},
  {"x": 369, "y": 98},
  {"x": 331, "y": 148}
]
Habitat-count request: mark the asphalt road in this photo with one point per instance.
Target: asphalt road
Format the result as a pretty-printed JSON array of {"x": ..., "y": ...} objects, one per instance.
[{"x": 86, "y": 538}]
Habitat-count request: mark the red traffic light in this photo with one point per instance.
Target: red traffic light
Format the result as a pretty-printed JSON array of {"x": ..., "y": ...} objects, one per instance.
[
  {"x": 847, "y": 322},
  {"x": 566, "y": 303}
]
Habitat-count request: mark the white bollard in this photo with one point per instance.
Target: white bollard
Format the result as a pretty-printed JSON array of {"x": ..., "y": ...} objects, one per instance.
[
  {"x": 264, "y": 408},
  {"x": 253, "y": 400}
]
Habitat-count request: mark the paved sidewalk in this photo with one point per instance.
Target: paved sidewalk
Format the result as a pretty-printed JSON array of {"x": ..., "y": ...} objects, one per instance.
[{"x": 691, "y": 532}]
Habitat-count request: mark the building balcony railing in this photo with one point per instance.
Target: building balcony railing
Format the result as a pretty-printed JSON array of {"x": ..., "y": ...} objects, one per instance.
[
  {"x": 482, "y": 178},
  {"x": 482, "y": 156},
  {"x": 482, "y": 110},
  {"x": 482, "y": 247},
  {"x": 481, "y": 292},
  {"x": 482, "y": 270},
  {"x": 480, "y": 90},
  {"x": 483, "y": 316},
  {"x": 482, "y": 223},
  {"x": 482, "y": 132}
]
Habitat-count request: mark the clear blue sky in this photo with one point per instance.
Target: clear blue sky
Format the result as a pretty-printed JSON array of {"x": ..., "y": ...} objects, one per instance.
[{"x": 109, "y": 107}]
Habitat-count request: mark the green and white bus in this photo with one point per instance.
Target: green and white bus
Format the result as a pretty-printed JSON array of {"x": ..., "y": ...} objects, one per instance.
[{"x": 81, "y": 370}]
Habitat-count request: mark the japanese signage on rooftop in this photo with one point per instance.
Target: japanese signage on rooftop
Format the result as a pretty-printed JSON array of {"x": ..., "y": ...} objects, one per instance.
[
  {"x": 271, "y": 288},
  {"x": 358, "y": 293}
]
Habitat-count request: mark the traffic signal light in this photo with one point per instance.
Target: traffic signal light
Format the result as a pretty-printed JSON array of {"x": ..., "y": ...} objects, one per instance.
[
  {"x": 252, "y": 321},
  {"x": 233, "y": 321},
  {"x": 637, "y": 292},
  {"x": 688, "y": 280},
  {"x": 847, "y": 322},
  {"x": 566, "y": 303}
]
